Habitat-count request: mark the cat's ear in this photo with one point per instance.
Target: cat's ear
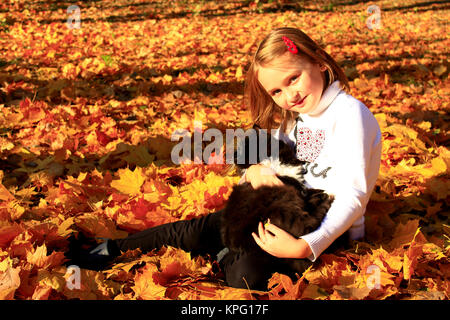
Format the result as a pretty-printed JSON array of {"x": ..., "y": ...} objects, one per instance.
[
  {"x": 304, "y": 191},
  {"x": 316, "y": 196}
]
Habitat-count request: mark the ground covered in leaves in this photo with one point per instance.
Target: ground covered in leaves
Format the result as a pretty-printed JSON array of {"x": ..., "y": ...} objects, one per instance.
[{"x": 86, "y": 117}]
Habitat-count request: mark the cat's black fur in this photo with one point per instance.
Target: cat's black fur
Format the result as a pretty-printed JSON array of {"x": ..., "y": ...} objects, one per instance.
[{"x": 293, "y": 207}]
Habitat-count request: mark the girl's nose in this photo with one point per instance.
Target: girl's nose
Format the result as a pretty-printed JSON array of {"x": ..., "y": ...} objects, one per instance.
[{"x": 291, "y": 95}]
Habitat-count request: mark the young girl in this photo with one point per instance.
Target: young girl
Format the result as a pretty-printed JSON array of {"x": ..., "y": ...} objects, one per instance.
[{"x": 292, "y": 79}]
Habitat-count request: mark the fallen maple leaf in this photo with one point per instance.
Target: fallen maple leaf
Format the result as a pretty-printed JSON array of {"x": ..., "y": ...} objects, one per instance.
[
  {"x": 5, "y": 195},
  {"x": 315, "y": 292},
  {"x": 8, "y": 232},
  {"x": 412, "y": 254},
  {"x": 129, "y": 182},
  {"x": 96, "y": 225},
  {"x": 144, "y": 286},
  {"x": 9, "y": 280},
  {"x": 404, "y": 233},
  {"x": 78, "y": 115},
  {"x": 352, "y": 293},
  {"x": 39, "y": 258},
  {"x": 282, "y": 283}
]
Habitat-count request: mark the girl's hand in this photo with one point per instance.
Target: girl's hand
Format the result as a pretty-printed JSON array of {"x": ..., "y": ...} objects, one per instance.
[
  {"x": 259, "y": 175},
  {"x": 279, "y": 243}
]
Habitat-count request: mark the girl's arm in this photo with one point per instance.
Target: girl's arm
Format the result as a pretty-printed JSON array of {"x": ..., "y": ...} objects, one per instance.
[
  {"x": 259, "y": 174},
  {"x": 357, "y": 164},
  {"x": 281, "y": 244}
]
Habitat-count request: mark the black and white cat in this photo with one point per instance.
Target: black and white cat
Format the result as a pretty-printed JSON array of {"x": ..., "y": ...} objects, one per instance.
[{"x": 293, "y": 207}]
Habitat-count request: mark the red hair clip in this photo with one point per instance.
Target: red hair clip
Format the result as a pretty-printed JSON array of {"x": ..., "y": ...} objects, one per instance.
[{"x": 290, "y": 45}]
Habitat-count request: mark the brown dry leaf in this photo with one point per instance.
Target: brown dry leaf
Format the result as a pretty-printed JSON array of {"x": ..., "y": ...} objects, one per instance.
[
  {"x": 5, "y": 195},
  {"x": 352, "y": 293},
  {"x": 404, "y": 233},
  {"x": 427, "y": 295}
]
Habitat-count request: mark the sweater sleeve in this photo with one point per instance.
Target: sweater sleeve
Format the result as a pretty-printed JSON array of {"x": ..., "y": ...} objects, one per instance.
[{"x": 357, "y": 165}]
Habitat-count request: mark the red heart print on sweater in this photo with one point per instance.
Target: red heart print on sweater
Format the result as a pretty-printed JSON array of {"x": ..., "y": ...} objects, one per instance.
[{"x": 309, "y": 145}]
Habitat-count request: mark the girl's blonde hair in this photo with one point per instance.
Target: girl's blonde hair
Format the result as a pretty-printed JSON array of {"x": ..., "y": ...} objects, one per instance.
[{"x": 264, "y": 111}]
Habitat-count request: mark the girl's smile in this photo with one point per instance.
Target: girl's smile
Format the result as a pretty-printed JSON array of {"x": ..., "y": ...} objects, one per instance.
[
  {"x": 294, "y": 83},
  {"x": 298, "y": 104}
]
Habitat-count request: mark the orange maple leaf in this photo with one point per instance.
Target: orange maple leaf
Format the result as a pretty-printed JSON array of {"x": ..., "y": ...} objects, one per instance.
[
  {"x": 282, "y": 287},
  {"x": 40, "y": 259},
  {"x": 98, "y": 226},
  {"x": 410, "y": 258},
  {"x": 404, "y": 233},
  {"x": 8, "y": 232}
]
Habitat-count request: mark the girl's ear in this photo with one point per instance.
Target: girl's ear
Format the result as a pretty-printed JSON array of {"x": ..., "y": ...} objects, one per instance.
[{"x": 322, "y": 68}]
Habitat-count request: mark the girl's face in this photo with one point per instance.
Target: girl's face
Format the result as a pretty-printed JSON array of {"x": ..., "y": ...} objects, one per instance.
[{"x": 294, "y": 84}]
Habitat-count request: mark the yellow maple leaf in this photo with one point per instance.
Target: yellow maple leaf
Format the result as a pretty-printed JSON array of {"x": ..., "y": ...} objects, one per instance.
[
  {"x": 144, "y": 286},
  {"x": 5, "y": 144},
  {"x": 93, "y": 285},
  {"x": 129, "y": 182},
  {"x": 438, "y": 167},
  {"x": 15, "y": 209},
  {"x": 386, "y": 261},
  {"x": 313, "y": 291},
  {"x": 70, "y": 71},
  {"x": 239, "y": 73},
  {"x": 52, "y": 279},
  {"x": 234, "y": 294}
]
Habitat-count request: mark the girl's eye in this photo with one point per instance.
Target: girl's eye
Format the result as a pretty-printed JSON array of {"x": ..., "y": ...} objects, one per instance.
[
  {"x": 274, "y": 93},
  {"x": 294, "y": 78},
  {"x": 291, "y": 80}
]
